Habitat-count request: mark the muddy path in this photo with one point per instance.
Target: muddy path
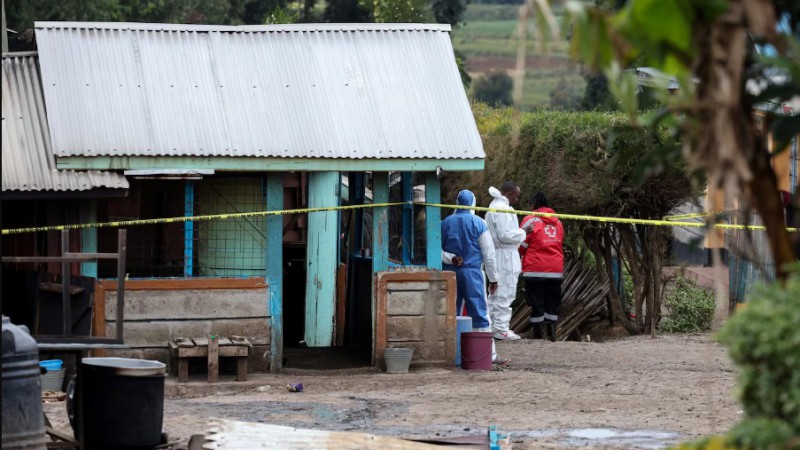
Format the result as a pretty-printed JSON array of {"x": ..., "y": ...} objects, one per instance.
[{"x": 629, "y": 393}]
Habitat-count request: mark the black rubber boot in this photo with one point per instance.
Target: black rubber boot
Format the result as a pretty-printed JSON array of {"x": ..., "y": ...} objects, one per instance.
[
  {"x": 537, "y": 330},
  {"x": 551, "y": 329}
]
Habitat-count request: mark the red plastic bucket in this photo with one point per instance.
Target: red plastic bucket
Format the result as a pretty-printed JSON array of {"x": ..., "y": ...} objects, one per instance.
[{"x": 476, "y": 350}]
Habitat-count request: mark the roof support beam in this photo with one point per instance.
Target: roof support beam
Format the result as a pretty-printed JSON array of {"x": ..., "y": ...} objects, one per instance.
[{"x": 261, "y": 164}]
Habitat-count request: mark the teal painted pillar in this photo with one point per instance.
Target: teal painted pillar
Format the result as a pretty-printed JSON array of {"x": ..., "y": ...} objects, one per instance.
[
  {"x": 380, "y": 222},
  {"x": 88, "y": 211},
  {"x": 321, "y": 258},
  {"x": 188, "y": 229},
  {"x": 274, "y": 272},
  {"x": 433, "y": 221}
]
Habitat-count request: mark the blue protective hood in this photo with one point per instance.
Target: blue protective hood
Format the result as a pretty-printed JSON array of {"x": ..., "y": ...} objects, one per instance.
[{"x": 465, "y": 198}]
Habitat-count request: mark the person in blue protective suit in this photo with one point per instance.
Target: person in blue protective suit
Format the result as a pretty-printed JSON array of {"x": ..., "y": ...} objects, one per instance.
[{"x": 467, "y": 250}]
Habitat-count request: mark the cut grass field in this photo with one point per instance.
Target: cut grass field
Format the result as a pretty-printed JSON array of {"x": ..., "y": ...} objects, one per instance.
[{"x": 488, "y": 40}]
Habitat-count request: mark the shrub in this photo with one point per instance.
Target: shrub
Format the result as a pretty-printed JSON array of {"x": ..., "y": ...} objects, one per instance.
[
  {"x": 761, "y": 434},
  {"x": 494, "y": 88},
  {"x": 691, "y": 308},
  {"x": 764, "y": 339}
]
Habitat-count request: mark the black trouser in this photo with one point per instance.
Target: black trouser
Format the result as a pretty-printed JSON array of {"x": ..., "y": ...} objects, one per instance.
[{"x": 544, "y": 297}]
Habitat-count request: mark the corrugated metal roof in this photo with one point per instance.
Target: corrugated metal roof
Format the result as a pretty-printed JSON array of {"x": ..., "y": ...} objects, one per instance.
[
  {"x": 224, "y": 434},
  {"x": 28, "y": 162},
  {"x": 323, "y": 91}
]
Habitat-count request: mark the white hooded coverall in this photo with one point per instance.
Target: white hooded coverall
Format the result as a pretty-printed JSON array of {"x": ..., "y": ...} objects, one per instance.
[{"x": 507, "y": 237}]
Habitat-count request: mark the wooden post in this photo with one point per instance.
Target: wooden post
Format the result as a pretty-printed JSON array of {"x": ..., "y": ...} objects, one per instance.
[
  {"x": 433, "y": 222},
  {"x": 274, "y": 275},
  {"x": 321, "y": 258},
  {"x": 341, "y": 303},
  {"x": 65, "y": 285},
  {"x": 183, "y": 370},
  {"x": 241, "y": 368},
  {"x": 213, "y": 359}
]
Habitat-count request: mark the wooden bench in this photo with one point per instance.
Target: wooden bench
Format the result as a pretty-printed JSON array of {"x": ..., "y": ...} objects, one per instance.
[{"x": 212, "y": 347}]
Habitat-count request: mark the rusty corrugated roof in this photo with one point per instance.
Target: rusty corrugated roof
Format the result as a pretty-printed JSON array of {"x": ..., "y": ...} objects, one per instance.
[{"x": 28, "y": 161}]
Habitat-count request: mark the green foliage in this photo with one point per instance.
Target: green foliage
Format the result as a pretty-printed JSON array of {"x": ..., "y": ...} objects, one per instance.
[
  {"x": 761, "y": 434},
  {"x": 567, "y": 155},
  {"x": 346, "y": 11},
  {"x": 596, "y": 96},
  {"x": 691, "y": 308},
  {"x": 563, "y": 98},
  {"x": 494, "y": 88},
  {"x": 627, "y": 289},
  {"x": 282, "y": 15},
  {"x": 449, "y": 11},
  {"x": 20, "y": 15},
  {"x": 397, "y": 11},
  {"x": 466, "y": 79},
  {"x": 763, "y": 339},
  {"x": 485, "y": 12}
]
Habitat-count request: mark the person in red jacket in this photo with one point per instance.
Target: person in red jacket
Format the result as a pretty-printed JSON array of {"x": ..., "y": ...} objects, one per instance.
[{"x": 543, "y": 266}]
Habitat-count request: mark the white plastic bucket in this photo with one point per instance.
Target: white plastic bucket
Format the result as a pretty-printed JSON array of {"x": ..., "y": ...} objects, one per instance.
[
  {"x": 53, "y": 380},
  {"x": 397, "y": 360}
]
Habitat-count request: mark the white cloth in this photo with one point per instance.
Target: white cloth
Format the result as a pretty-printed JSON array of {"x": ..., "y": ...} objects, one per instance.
[
  {"x": 494, "y": 349},
  {"x": 507, "y": 237},
  {"x": 487, "y": 256}
]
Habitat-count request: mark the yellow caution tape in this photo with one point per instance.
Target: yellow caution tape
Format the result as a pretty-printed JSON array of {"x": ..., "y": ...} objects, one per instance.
[
  {"x": 601, "y": 219},
  {"x": 130, "y": 223},
  {"x": 663, "y": 223},
  {"x": 695, "y": 215}
]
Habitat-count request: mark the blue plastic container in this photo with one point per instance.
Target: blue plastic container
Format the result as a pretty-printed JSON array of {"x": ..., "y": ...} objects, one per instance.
[
  {"x": 463, "y": 325},
  {"x": 52, "y": 364}
]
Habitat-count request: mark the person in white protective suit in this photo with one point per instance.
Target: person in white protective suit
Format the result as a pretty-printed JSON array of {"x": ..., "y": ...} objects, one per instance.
[
  {"x": 507, "y": 237},
  {"x": 468, "y": 251}
]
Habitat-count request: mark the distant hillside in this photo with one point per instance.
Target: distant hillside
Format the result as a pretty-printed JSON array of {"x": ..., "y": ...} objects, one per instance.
[{"x": 488, "y": 39}]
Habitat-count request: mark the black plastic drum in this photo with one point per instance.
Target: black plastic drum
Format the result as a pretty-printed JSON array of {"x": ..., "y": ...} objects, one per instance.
[
  {"x": 123, "y": 402},
  {"x": 23, "y": 421}
]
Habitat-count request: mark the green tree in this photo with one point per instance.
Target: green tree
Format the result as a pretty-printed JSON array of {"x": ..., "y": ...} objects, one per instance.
[
  {"x": 568, "y": 156},
  {"x": 346, "y": 11},
  {"x": 708, "y": 47},
  {"x": 596, "y": 96},
  {"x": 21, "y": 15},
  {"x": 398, "y": 11},
  {"x": 449, "y": 11},
  {"x": 562, "y": 98},
  {"x": 494, "y": 88}
]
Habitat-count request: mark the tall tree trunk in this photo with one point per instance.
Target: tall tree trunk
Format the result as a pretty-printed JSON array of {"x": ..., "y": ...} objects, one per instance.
[
  {"x": 763, "y": 194},
  {"x": 615, "y": 312},
  {"x": 729, "y": 147}
]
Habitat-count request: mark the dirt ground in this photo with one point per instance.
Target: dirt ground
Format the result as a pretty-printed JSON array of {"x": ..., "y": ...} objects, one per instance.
[{"x": 629, "y": 393}]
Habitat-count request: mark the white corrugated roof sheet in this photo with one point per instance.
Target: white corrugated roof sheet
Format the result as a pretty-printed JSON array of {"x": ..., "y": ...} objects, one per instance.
[
  {"x": 28, "y": 162},
  {"x": 316, "y": 90}
]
